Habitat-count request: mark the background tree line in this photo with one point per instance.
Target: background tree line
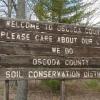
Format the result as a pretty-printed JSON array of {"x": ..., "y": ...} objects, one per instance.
[{"x": 63, "y": 11}]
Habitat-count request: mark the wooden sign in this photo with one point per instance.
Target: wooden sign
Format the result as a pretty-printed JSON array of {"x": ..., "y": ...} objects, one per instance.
[
  {"x": 49, "y": 27},
  {"x": 13, "y": 30},
  {"x": 48, "y": 50},
  {"x": 49, "y": 61},
  {"x": 9, "y": 35},
  {"x": 48, "y": 73}
]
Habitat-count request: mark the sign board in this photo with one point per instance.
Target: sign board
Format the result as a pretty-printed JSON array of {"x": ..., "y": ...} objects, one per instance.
[
  {"x": 38, "y": 45},
  {"x": 40, "y": 32},
  {"x": 48, "y": 27},
  {"x": 49, "y": 61},
  {"x": 9, "y": 35},
  {"x": 48, "y": 50},
  {"x": 48, "y": 73}
]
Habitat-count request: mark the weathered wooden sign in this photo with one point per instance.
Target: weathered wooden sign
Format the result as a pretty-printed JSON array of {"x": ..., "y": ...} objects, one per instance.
[
  {"x": 48, "y": 27},
  {"x": 53, "y": 33},
  {"x": 49, "y": 61},
  {"x": 48, "y": 73},
  {"x": 53, "y": 46},
  {"x": 48, "y": 50},
  {"x": 9, "y": 35}
]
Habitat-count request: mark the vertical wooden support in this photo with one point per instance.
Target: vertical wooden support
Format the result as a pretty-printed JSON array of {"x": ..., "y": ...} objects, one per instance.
[
  {"x": 6, "y": 90},
  {"x": 22, "y": 89},
  {"x": 6, "y": 84},
  {"x": 62, "y": 90}
]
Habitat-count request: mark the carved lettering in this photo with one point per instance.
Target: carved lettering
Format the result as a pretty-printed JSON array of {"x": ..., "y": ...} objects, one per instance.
[
  {"x": 43, "y": 38},
  {"x": 76, "y": 62},
  {"x": 14, "y": 36},
  {"x": 86, "y": 41},
  {"x": 69, "y": 40},
  {"x": 69, "y": 51},
  {"x": 56, "y": 50},
  {"x": 46, "y": 62}
]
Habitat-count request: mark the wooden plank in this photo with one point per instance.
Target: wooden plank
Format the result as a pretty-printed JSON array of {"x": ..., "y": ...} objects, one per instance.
[
  {"x": 51, "y": 38},
  {"x": 48, "y": 27},
  {"x": 14, "y": 48},
  {"x": 49, "y": 61},
  {"x": 49, "y": 73}
]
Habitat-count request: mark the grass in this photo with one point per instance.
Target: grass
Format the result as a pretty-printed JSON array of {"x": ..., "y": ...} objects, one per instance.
[
  {"x": 84, "y": 85},
  {"x": 72, "y": 86},
  {"x": 53, "y": 85},
  {"x": 93, "y": 85}
]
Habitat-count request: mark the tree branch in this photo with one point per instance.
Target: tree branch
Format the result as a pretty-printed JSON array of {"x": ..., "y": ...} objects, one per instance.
[
  {"x": 4, "y": 11},
  {"x": 4, "y": 3},
  {"x": 14, "y": 5}
]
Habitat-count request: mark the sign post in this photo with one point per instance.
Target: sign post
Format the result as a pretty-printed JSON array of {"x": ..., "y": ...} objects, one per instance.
[
  {"x": 6, "y": 90},
  {"x": 62, "y": 90}
]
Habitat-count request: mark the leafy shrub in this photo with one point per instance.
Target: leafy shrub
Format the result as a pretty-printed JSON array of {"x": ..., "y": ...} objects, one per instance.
[
  {"x": 93, "y": 84},
  {"x": 54, "y": 85}
]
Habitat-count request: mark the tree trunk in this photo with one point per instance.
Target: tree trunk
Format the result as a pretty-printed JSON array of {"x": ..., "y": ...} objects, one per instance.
[
  {"x": 21, "y": 9},
  {"x": 9, "y": 8},
  {"x": 22, "y": 89},
  {"x": 6, "y": 90}
]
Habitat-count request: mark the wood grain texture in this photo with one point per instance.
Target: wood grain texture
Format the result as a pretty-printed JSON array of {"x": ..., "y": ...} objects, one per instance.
[
  {"x": 10, "y": 35},
  {"x": 14, "y": 48},
  {"x": 21, "y": 73},
  {"x": 49, "y": 27},
  {"x": 49, "y": 61}
]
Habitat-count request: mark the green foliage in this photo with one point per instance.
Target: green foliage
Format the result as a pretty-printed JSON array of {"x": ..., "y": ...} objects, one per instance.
[
  {"x": 54, "y": 85},
  {"x": 63, "y": 11},
  {"x": 93, "y": 85}
]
